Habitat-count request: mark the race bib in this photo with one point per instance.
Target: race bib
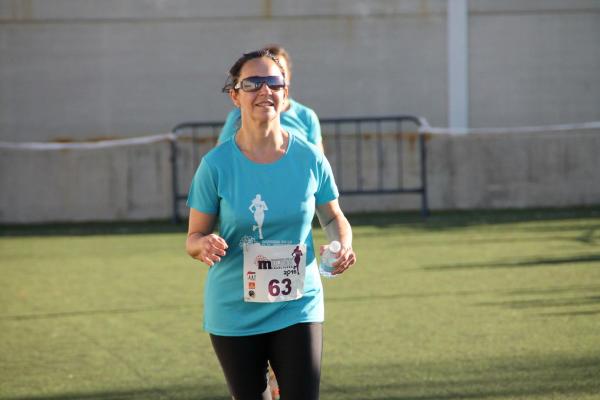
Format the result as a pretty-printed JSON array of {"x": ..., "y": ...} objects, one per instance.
[{"x": 273, "y": 273}]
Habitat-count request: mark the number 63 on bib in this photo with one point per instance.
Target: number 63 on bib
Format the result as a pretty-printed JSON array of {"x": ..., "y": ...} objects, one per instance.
[{"x": 274, "y": 273}]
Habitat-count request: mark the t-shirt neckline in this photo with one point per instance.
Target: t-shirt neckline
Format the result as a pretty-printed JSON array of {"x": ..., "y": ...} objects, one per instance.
[{"x": 241, "y": 154}]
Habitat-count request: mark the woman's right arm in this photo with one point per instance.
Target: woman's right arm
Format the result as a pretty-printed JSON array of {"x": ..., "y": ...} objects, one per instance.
[{"x": 201, "y": 243}]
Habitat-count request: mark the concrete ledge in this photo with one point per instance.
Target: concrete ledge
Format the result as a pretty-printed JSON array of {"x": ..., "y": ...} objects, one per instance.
[
  {"x": 514, "y": 170},
  {"x": 126, "y": 183},
  {"x": 536, "y": 6},
  {"x": 464, "y": 172}
]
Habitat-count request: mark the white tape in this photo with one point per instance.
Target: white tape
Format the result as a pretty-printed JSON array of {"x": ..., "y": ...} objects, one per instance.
[
  {"x": 41, "y": 146},
  {"x": 426, "y": 128}
]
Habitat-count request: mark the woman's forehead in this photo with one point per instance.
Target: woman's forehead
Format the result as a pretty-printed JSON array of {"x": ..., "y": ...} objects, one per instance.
[{"x": 260, "y": 66}]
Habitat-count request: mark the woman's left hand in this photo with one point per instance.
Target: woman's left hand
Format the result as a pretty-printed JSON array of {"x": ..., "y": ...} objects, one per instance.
[{"x": 345, "y": 259}]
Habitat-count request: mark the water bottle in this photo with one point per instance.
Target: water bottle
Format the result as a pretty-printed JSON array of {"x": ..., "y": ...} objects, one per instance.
[{"x": 329, "y": 256}]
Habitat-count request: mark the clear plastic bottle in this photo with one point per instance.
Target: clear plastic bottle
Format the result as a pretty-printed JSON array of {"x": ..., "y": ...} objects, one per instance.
[{"x": 329, "y": 256}]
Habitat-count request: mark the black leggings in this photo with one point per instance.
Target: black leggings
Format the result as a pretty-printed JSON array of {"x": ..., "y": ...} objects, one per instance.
[{"x": 294, "y": 354}]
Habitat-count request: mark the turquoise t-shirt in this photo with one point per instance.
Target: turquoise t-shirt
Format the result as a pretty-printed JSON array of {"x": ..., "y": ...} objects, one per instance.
[
  {"x": 227, "y": 183},
  {"x": 298, "y": 120}
]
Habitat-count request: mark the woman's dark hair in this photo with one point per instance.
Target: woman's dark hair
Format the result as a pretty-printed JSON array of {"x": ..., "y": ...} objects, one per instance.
[{"x": 234, "y": 71}]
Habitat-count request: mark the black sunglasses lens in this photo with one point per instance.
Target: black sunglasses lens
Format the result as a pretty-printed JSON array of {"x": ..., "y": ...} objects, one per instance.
[
  {"x": 254, "y": 83},
  {"x": 275, "y": 82},
  {"x": 249, "y": 85}
]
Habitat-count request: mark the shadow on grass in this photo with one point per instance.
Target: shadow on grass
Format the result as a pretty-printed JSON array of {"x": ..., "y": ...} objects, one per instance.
[
  {"x": 522, "y": 377},
  {"x": 553, "y": 290},
  {"x": 585, "y": 313},
  {"x": 447, "y": 220},
  {"x": 215, "y": 392},
  {"x": 525, "y": 378},
  {"x": 437, "y": 221},
  {"x": 87, "y": 313},
  {"x": 545, "y": 303},
  {"x": 428, "y": 241},
  {"x": 575, "y": 301},
  {"x": 530, "y": 263},
  {"x": 93, "y": 228},
  {"x": 589, "y": 235}
]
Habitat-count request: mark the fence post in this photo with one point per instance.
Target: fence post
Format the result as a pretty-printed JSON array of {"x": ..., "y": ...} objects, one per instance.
[
  {"x": 174, "y": 175},
  {"x": 424, "y": 202}
]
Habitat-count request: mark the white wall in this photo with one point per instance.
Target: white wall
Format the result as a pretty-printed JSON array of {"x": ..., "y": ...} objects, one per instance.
[
  {"x": 77, "y": 69},
  {"x": 82, "y": 69}
]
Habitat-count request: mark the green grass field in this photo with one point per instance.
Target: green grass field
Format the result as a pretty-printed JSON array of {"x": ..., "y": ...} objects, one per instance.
[{"x": 496, "y": 305}]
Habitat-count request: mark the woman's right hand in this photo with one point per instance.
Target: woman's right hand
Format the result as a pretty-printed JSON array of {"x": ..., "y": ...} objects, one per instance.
[
  {"x": 207, "y": 248},
  {"x": 202, "y": 244}
]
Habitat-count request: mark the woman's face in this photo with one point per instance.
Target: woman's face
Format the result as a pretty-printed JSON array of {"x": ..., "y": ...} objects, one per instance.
[{"x": 265, "y": 104}]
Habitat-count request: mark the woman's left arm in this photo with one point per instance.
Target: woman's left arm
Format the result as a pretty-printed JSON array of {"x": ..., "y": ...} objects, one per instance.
[{"x": 338, "y": 228}]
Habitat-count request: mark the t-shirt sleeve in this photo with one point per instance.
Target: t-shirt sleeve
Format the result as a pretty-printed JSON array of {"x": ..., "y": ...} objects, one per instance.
[
  {"x": 203, "y": 195},
  {"x": 314, "y": 130},
  {"x": 231, "y": 125},
  {"x": 327, "y": 189}
]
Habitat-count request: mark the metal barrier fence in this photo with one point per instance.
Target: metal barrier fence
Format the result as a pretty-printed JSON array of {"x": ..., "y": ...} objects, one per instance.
[{"x": 368, "y": 155}]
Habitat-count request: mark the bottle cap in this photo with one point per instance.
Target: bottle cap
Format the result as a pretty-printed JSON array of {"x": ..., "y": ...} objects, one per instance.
[{"x": 335, "y": 246}]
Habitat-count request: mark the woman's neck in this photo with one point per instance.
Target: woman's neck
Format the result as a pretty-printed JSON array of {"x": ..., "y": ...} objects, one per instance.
[{"x": 262, "y": 144}]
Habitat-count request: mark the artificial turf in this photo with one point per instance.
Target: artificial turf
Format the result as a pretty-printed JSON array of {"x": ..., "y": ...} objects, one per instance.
[{"x": 465, "y": 305}]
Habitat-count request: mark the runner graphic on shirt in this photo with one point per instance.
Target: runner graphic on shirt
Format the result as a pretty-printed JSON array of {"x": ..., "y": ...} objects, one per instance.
[
  {"x": 297, "y": 253},
  {"x": 258, "y": 208}
]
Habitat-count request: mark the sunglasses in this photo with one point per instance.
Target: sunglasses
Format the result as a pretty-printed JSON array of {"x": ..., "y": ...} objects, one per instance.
[{"x": 254, "y": 83}]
